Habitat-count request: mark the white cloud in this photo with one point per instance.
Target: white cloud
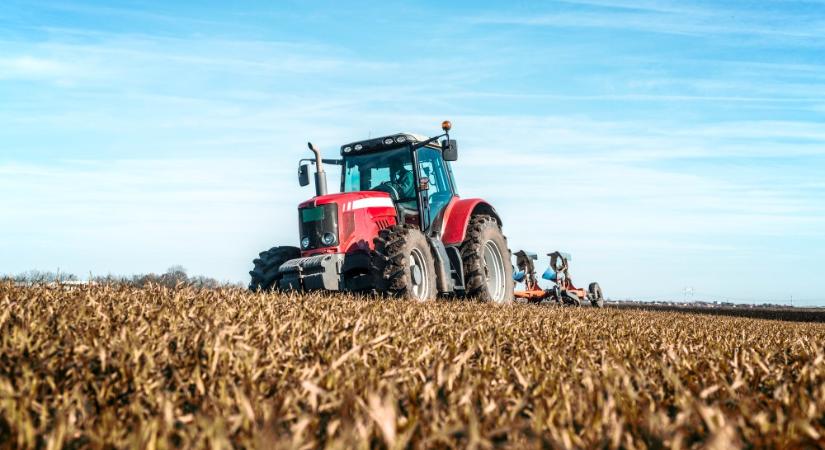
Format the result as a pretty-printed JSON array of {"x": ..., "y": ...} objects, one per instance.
[
  {"x": 674, "y": 19},
  {"x": 37, "y": 68}
]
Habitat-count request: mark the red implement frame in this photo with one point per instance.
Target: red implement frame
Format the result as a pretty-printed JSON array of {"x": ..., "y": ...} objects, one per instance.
[{"x": 564, "y": 286}]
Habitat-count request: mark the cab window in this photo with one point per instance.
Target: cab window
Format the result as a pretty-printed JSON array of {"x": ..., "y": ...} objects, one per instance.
[
  {"x": 366, "y": 172},
  {"x": 433, "y": 167}
]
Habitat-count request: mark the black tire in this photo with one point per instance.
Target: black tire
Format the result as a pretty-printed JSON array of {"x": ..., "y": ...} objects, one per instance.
[
  {"x": 404, "y": 263},
  {"x": 570, "y": 298},
  {"x": 482, "y": 231},
  {"x": 595, "y": 294},
  {"x": 265, "y": 276}
]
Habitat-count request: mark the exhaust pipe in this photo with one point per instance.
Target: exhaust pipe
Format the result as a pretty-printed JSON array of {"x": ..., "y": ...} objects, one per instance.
[{"x": 320, "y": 175}]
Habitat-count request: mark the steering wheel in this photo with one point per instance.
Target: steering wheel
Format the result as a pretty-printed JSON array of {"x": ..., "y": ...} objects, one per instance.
[{"x": 389, "y": 188}]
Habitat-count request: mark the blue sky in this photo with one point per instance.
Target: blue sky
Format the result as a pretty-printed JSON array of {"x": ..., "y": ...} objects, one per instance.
[{"x": 663, "y": 144}]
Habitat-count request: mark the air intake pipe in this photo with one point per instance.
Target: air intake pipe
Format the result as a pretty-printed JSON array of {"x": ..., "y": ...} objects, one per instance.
[{"x": 320, "y": 175}]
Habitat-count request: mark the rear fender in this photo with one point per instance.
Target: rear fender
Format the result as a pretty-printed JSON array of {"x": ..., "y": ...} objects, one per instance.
[{"x": 457, "y": 215}]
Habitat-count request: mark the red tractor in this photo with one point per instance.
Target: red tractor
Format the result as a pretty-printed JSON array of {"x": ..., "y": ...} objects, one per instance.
[{"x": 398, "y": 226}]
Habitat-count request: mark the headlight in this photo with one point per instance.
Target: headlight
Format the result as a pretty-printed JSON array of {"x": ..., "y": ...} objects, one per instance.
[
  {"x": 388, "y": 141},
  {"x": 305, "y": 242},
  {"x": 328, "y": 238}
]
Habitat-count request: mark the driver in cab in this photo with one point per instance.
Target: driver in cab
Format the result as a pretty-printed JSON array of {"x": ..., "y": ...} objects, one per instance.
[{"x": 404, "y": 181}]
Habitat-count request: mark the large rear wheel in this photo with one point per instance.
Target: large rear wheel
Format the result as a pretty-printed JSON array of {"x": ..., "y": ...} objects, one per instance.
[
  {"x": 265, "y": 276},
  {"x": 488, "y": 271},
  {"x": 405, "y": 264}
]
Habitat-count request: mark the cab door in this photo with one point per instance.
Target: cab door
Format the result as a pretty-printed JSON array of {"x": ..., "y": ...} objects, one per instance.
[{"x": 439, "y": 192}]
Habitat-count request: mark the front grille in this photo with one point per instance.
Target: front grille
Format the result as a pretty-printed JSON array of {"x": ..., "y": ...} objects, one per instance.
[{"x": 315, "y": 221}]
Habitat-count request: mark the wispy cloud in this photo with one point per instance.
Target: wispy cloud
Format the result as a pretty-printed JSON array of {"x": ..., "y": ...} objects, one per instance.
[
  {"x": 669, "y": 18},
  {"x": 639, "y": 5},
  {"x": 37, "y": 68}
]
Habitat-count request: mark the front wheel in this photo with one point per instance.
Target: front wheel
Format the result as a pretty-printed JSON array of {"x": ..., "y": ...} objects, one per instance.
[
  {"x": 488, "y": 271},
  {"x": 265, "y": 276},
  {"x": 405, "y": 264}
]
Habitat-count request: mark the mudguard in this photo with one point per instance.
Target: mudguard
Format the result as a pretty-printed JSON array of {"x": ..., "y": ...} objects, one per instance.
[{"x": 457, "y": 215}]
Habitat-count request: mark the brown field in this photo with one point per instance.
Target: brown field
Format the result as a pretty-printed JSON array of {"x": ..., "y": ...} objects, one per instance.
[{"x": 156, "y": 368}]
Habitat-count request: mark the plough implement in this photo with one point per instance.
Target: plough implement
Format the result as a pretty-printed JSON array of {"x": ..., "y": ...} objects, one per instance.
[{"x": 563, "y": 290}]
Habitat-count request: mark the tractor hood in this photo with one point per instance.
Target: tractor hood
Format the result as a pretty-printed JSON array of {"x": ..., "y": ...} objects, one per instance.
[
  {"x": 344, "y": 222},
  {"x": 352, "y": 200}
]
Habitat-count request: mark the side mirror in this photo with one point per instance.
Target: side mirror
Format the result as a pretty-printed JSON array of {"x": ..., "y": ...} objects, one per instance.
[
  {"x": 303, "y": 175},
  {"x": 449, "y": 150}
]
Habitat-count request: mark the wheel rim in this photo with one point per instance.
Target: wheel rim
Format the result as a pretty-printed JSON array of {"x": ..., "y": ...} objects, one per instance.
[
  {"x": 494, "y": 271},
  {"x": 420, "y": 283}
]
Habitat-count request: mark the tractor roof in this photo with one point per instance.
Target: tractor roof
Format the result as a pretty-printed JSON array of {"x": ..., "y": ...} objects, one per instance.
[{"x": 381, "y": 143}]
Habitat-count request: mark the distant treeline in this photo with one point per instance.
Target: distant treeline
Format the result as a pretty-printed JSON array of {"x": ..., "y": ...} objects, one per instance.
[
  {"x": 770, "y": 312},
  {"x": 174, "y": 276}
]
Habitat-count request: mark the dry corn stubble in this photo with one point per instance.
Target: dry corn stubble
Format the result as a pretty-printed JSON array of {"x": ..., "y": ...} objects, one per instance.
[{"x": 124, "y": 367}]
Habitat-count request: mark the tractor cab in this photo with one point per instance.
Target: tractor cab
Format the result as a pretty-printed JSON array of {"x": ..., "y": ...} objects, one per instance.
[{"x": 412, "y": 169}]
